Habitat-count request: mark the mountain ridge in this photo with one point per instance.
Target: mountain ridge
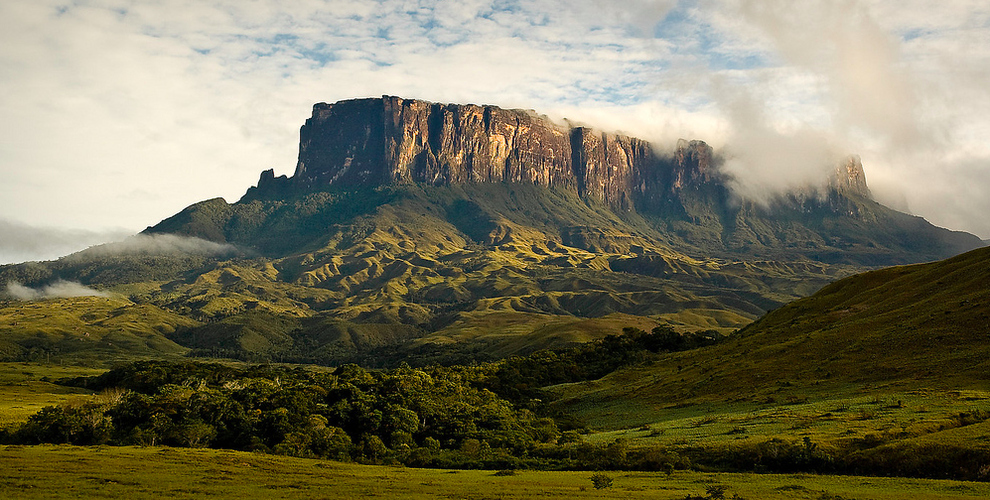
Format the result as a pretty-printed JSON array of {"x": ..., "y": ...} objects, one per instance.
[
  {"x": 412, "y": 225},
  {"x": 388, "y": 140}
]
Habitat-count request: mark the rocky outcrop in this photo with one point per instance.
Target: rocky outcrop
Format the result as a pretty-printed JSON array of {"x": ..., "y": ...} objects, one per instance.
[
  {"x": 371, "y": 142},
  {"x": 693, "y": 164},
  {"x": 849, "y": 177},
  {"x": 389, "y": 140}
]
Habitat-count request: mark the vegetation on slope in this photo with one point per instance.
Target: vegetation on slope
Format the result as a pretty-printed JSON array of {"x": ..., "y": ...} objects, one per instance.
[
  {"x": 407, "y": 415},
  {"x": 922, "y": 325},
  {"x": 885, "y": 372},
  {"x": 26, "y": 388},
  {"x": 484, "y": 270},
  {"x": 87, "y": 330},
  {"x": 496, "y": 416}
]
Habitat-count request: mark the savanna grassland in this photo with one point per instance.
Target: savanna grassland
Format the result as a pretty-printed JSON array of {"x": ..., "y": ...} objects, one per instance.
[
  {"x": 499, "y": 341},
  {"x": 61, "y": 471},
  {"x": 679, "y": 449},
  {"x": 26, "y": 388},
  {"x": 446, "y": 273}
]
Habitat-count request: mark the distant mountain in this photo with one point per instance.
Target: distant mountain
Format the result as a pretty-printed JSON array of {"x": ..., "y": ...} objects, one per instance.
[
  {"x": 370, "y": 143},
  {"x": 414, "y": 228}
]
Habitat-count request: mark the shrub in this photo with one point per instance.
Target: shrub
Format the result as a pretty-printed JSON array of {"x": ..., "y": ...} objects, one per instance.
[
  {"x": 601, "y": 480},
  {"x": 713, "y": 492}
]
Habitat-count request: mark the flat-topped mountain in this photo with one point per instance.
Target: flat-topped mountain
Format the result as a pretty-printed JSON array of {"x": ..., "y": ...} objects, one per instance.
[
  {"x": 375, "y": 142},
  {"x": 419, "y": 230},
  {"x": 390, "y": 141}
]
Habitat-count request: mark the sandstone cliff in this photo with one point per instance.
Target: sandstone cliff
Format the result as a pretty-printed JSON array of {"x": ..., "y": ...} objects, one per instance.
[
  {"x": 389, "y": 140},
  {"x": 850, "y": 177},
  {"x": 370, "y": 142}
]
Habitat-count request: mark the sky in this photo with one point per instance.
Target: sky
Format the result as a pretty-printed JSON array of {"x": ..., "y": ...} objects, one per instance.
[{"x": 115, "y": 114}]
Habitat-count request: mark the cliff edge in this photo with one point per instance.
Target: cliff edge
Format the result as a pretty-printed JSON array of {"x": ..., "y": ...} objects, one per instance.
[{"x": 389, "y": 140}]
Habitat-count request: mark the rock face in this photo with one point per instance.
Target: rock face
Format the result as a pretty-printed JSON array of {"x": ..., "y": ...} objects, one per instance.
[
  {"x": 850, "y": 177},
  {"x": 372, "y": 142}
]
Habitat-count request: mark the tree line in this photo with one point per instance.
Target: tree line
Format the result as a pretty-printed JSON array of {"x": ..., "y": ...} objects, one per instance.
[
  {"x": 491, "y": 415},
  {"x": 488, "y": 415}
]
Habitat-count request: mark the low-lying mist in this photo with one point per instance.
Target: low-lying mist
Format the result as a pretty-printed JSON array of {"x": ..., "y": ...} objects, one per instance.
[
  {"x": 21, "y": 242},
  {"x": 57, "y": 290},
  {"x": 154, "y": 244}
]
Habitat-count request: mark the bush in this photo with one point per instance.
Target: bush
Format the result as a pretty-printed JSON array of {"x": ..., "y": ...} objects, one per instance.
[
  {"x": 713, "y": 492},
  {"x": 601, "y": 480}
]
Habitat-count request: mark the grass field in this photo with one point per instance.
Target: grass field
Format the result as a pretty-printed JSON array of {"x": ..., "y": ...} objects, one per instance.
[
  {"x": 26, "y": 388},
  {"x": 128, "y": 472},
  {"x": 855, "y": 415},
  {"x": 48, "y": 471},
  {"x": 895, "y": 358},
  {"x": 898, "y": 425}
]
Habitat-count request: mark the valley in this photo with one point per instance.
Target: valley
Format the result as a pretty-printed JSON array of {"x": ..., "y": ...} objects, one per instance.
[{"x": 443, "y": 288}]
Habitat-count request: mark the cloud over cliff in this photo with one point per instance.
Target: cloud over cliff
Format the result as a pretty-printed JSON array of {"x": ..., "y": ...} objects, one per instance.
[{"x": 186, "y": 101}]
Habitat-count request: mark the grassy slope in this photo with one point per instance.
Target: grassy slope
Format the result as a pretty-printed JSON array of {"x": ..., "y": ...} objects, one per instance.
[
  {"x": 491, "y": 266},
  {"x": 909, "y": 327},
  {"x": 885, "y": 361},
  {"x": 72, "y": 472},
  {"x": 926, "y": 323},
  {"x": 148, "y": 472},
  {"x": 469, "y": 258},
  {"x": 26, "y": 388},
  {"x": 91, "y": 329}
]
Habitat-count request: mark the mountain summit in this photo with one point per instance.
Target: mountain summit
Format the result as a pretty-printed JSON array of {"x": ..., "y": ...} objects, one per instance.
[
  {"x": 419, "y": 231},
  {"x": 389, "y": 140}
]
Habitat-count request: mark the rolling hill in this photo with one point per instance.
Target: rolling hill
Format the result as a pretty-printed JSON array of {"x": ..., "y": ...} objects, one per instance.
[
  {"x": 922, "y": 327},
  {"x": 420, "y": 231}
]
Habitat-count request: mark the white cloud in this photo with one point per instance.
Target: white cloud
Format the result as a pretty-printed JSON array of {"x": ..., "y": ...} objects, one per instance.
[
  {"x": 58, "y": 289},
  {"x": 20, "y": 242},
  {"x": 103, "y": 100},
  {"x": 900, "y": 83},
  {"x": 159, "y": 244},
  {"x": 191, "y": 100}
]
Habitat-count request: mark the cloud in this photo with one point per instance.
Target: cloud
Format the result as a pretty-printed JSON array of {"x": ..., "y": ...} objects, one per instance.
[
  {"x": 139, "y": 244},
  {"x": 764, "y": 160},
  {"x": 58, "y": 289},
  {"x": 21, "y": 242},
  {"x": 858, "y": 61},
  {"x": 193, "y": 99},
  {"x": 887, "y": 80},
  {"x": 101, "y": 100},
  {"x": 159, "y": 244}
]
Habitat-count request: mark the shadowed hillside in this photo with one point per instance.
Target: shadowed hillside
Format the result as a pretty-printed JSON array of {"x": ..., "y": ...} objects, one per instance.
[
  {"x": 480, "y": 232},
  {"x": 902, "y": 328}
]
